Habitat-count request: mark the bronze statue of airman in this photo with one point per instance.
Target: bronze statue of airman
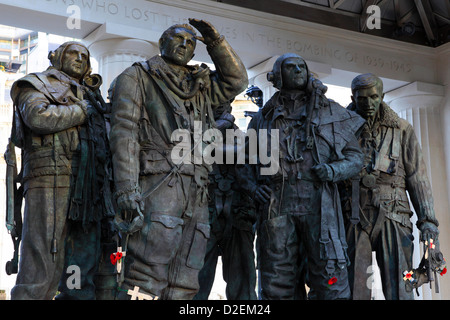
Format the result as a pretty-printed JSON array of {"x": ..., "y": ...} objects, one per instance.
[
  {"x": 59, "y": 125},
  {"x": 393, "y": 169},
  {"x": 153, "y": 99},
  {"x": 299, "y": 210}
]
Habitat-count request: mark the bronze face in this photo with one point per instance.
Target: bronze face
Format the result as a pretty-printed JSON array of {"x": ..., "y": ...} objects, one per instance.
[
  {"x": 294, "y": 74},
  {"x": 367, "y": 101},
  {"x": 179, "y": 47},
  {"x": 75, "y": 61}
]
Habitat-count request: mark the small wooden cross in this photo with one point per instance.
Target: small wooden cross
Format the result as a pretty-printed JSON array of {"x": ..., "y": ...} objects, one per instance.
[
  {"x": 429, "y": 246},
  {"x": 136, "y": 295},
  {"x": 408, "y": 275},
  {"x": 119, "y": 262}
]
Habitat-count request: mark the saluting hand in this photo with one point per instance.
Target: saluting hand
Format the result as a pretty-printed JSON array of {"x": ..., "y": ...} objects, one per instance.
[{"x": 208, "y": 31}]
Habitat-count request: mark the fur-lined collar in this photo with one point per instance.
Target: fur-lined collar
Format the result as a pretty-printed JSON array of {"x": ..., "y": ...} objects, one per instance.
[
  {"x": 388, "y": 117},
  {"x": 156, "y": 65},
  {"x": 184, "y": 81}
]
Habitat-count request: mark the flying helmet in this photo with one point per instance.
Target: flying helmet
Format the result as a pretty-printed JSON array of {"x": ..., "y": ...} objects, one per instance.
[
  {"x": 275, "y": 76},
  {"x": 56, "y": 56}
]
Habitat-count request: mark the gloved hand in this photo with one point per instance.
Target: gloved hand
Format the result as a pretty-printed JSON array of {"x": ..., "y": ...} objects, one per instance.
[
  {"x": 262, "y": 194},
  {"x": 428, "y": 230},
  {"x": 225, "y": 121},
  {"x": 130, "y": 201},
  {"x": 129, "y": 217},
  {"x": 324, "y": 172}
]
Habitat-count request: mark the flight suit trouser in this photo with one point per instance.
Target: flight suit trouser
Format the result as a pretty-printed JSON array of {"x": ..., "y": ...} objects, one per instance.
[
  {"x": 164, "y": 258},
  {"x": 238, "y": 263},
  {"x": 393, "y": 248},
  {"x": 280, "y": 245},
  {"x": 39, "y": 275},
  {"x": 82, "y": 258}
]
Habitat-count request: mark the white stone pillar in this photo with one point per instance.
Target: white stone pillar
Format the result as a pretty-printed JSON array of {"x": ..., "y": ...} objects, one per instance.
[
  {"x": 258, "y": 76},
  {"x": 443, "y": 73},
  {"x": 3, "y": 78},
  {"x": 266, "y": 86},
  {"x": 420, "y": 104},
  {"x": 443, "y": 58},
  {"x": 115, "y": 55}
]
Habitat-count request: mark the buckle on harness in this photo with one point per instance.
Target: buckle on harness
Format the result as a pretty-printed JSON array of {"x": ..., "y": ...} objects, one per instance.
[
  {"x": 309, "y": 142},
  {"x": 330, "y": 268},
  {"x": 324, "y": 248}
]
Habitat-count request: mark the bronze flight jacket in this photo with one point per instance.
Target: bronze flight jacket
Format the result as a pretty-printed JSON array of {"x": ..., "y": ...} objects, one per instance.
[
  {"x": 397, "y": 167},
  {"x": 49, "y": 107},
  {"x": 151, "y": 101},
  {"x": 335, "y": 144}
]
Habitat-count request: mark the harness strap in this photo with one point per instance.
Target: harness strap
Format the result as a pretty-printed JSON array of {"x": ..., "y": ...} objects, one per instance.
[
  {"x": 395, "y": 148},
  {"x": 331, "y": 238},
  {"x": 354, "y": 219}
]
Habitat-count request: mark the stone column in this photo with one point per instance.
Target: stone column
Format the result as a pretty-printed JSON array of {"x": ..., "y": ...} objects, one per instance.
[
  {"x": 258, "y": 76},
  {"x": 443, "y": 71},
  {"x": 420, "y": 104},
  {"x": 3, "y": 78},
  {"x": 115, "y": 55}
]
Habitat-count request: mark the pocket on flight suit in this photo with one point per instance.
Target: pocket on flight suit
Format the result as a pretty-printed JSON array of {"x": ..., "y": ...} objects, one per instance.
[
  {"x": 198, "y": 246},
  {"x": 163, "y": 238},
  {"x": 274, "y": 234}
]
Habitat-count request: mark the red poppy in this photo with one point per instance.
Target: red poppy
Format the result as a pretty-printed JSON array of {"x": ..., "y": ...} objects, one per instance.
[
  {"x": 332, "y": 281},
  {"x": 118, "y": 256},
  {"x": 444, "y": 271},
  {"x": 113, "y": 258},
  {"x": 408, "y": 275}
]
